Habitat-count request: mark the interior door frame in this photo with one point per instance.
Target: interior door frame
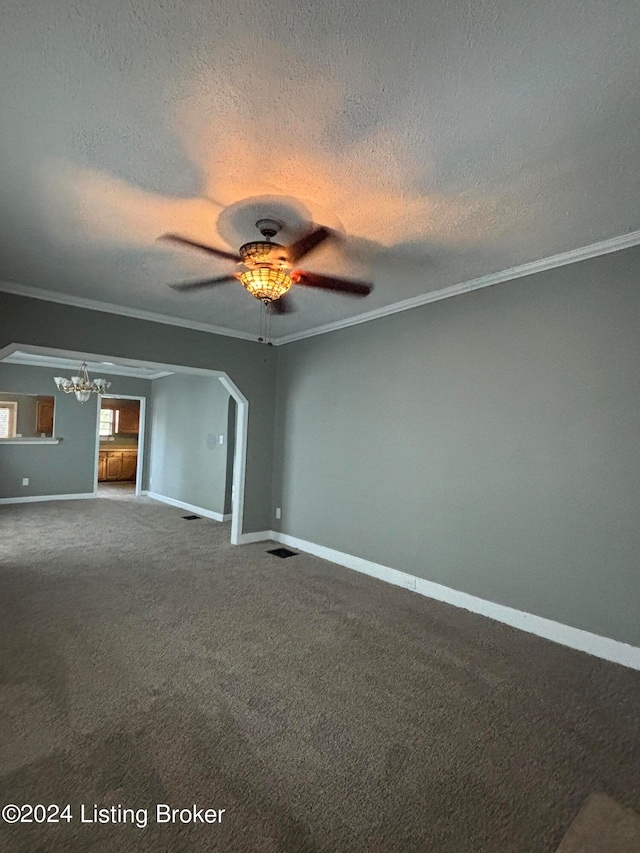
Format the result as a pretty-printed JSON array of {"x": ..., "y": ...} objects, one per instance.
[{"x": 141, "y": 437}]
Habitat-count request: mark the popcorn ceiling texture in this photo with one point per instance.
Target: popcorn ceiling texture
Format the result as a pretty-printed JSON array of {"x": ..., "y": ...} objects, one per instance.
[
  {"x": 449, "y": 139},
  {"x": 325, "y": 710}
]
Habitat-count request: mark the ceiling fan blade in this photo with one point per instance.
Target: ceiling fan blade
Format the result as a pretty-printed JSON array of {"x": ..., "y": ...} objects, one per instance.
[
  {"x": 307, "y": 243},
  {"x": 201, "y": 285},
  {"x": 283, "y": 305},
  {"x": 219, "y": 253},
  {"x": 326, "y": 282}
]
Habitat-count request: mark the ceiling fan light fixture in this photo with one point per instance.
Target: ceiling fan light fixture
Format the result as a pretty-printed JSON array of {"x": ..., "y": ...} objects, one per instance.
[
  {"x": 269, "y": 274},
  {"x": 263, "y": 252},
  {"x": 266, "y": 283}
]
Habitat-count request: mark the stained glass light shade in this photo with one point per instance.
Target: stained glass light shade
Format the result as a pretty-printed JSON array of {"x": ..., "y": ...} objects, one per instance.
[
  {"x": 266, "y": 283},
  {"x": 263, "y": 252}
]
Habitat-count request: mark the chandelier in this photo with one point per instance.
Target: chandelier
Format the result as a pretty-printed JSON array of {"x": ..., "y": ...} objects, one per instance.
[{"x": 82, "y": 386}]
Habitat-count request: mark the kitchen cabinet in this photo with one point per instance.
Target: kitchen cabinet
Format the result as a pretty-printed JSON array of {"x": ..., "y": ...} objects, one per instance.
[
  {"x": 129, "y": 418},
  {"x": 114, "y": 466},
  {"x": 129, "y": 465},
  {"x": 44, "y": 417},
  {"x": 117, "y": 465}
]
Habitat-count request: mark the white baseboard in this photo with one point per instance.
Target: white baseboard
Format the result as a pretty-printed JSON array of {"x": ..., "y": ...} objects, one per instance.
[
  {"x": 36, "y": 498},
  {"x": 575, "y": 638},
  {"x": 258, "y": 536},
  {"x": 197, "y": 510}
]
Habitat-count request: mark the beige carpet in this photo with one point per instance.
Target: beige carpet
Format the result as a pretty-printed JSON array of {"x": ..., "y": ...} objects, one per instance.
[
  {"x": 119, "y": 491},
  {"x": 602, "y": 826},
  {"x": 144, "y": 660}
]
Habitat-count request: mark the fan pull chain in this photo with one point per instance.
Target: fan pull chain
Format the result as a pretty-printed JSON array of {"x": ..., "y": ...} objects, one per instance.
[
  {"x": 264, "y": 335},
  {"x": 261, "y": 327},
  {"x": 267, "y": 335}
]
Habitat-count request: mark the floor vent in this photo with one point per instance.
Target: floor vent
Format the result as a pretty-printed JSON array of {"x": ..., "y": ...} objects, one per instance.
[
  {"x": 190, "y": 517},
  {"x": 283, "y": 552}
]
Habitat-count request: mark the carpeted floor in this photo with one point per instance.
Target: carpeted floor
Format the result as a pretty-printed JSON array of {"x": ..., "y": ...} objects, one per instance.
[
  {"x": 603, "y": 826},
  {"x": 144, "y": 660},
  {"x": 117, "y": 490}
]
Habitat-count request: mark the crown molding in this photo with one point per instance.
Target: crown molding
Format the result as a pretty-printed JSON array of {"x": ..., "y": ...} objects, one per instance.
[
  {"x": 604, "y": 247},
  {"x": 615, "y": 244},
  {"x": 110, "y": 308}
]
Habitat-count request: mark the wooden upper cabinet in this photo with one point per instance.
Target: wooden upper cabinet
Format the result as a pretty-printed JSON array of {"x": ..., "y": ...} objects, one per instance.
[
  {"x": 129, "y": 417},
  {"x": 44, "y": 416}
]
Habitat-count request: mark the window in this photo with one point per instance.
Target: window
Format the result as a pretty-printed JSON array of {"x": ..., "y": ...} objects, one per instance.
[
  {"x": 109, "y": 421},
  {"x": 8, "y": 417}
]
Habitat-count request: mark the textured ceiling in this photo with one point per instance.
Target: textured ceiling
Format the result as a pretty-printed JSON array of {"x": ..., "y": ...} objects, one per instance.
[{"x": 447, "y": 140}]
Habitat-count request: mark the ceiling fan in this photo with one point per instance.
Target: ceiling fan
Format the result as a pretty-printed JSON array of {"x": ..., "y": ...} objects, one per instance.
[{"x": 268, "y": 273}]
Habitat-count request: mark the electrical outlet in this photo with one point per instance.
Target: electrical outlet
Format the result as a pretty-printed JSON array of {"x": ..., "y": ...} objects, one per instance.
[
  {"x": 278, "y": 512},
  {"x": 25, "y": 481},
  {"x": 221, "y": 439}
]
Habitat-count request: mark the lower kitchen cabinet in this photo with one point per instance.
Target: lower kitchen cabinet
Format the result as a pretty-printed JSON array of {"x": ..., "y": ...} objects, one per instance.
[
  {"x": 129, "y": 465},
  {"x": 117, "y": 465}
]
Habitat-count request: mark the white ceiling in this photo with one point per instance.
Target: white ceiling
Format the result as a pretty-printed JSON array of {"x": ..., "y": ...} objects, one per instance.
[{"x": 448, "y": 140}]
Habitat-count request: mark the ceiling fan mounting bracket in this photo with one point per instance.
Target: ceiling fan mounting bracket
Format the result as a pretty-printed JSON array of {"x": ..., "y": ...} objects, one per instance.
[{"x": 268, "y": 227}]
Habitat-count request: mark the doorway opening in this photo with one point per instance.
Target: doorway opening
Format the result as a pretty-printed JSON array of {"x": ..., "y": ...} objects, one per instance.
[{"x": 119, "y": 445}]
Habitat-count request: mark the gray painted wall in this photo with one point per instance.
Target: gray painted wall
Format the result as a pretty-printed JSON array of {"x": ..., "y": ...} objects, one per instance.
[
  {"x": 250, "y": 365},
  {"x": 55, "y": 469},
  {"x": 186, "y": 462},
  {"x": 488, "y": 442}
]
